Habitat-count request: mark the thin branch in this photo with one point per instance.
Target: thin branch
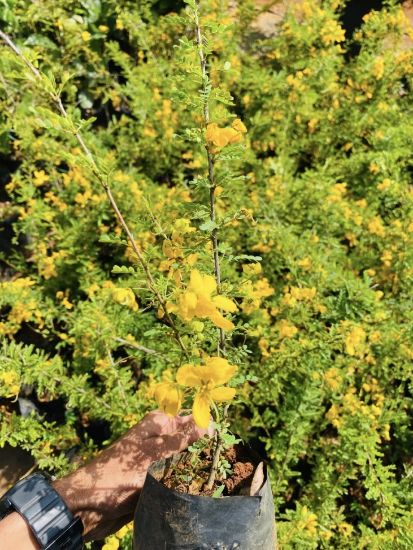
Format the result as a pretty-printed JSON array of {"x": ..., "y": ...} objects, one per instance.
[
  {"x": 103, "y": 181},
  {"x": 219, "y": 444},
  {"x": 215, "y": 462},
  {"x": 211, "y": 174},
  {"x": 144, "y": 349},
  {"x": 119, "y": 383},
  {"x": 154, "y": 219}
]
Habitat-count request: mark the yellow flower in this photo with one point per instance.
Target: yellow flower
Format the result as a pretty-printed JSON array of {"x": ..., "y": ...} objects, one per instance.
[
  {"x": 305, "y": 263},
  {"x": 376, "y": 227},
  {"x": 125, "y": 297},
  {"x": 92, "y": 289},
  {"x": 332, "y": 378},
  {"x": 332, "y": 32},
  {"x": 86, "y": 36},
  {"x": 355, "y": 342},
  {"x": 378, "y": 68},
  {"x": 169, "y": 397},
  {"x": 374, "y": 168},
  {"x": 198, "y": 301},
  {"x": 345, "y": 529},
  {"x": 286, "y": 329},
  {"x": 40, "y": 177},
  {"x": 171, "y": 250},
  {"x": 386, "y": 258},
  {"x": 112, "y": 543},
  {"x": 295, "y": 294},
  {"x": 123, "y": 531},
  {"x": 252, "y": 269},
  {"x": 220, "y": 137},
  {"x": 10, "y": 384},
  {"x": 255, "y": 293},
  {"x": 333, "y": 416},
  {"x": 182, "y": 226},
  {"x": 83, "y": 198},
  {"x": 239, "y": 126},
  {"x": 308, "y": 521},
  {"x": 209, "y": 380}
]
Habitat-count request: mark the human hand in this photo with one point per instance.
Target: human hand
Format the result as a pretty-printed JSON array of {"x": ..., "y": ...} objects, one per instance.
[{"x": 105, "y": 492}]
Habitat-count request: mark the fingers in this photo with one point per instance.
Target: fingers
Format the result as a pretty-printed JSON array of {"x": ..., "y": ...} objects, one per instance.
[
  {"x": 165, "y": 445},
  {"x": 157, "y": 423}
]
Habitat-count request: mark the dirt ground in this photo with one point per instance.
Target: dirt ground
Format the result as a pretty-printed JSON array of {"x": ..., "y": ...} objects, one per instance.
[{"x": 14, "y": 463}]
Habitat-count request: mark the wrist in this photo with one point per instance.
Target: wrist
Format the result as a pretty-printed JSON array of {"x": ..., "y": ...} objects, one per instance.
[
  {"x": 76, "y": 500},
  {"x": 17, "y": 533},
  {"x": 37, "y": 516},
  {"x": 104, "y": 493}
]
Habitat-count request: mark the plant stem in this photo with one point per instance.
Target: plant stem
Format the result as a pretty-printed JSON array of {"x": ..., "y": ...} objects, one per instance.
[
  {"x": 214, "y": 235},
  {"x": 105, "y": 184},
  {"x": 211, "y": 174},
  {"x": 215, "y": 462}
]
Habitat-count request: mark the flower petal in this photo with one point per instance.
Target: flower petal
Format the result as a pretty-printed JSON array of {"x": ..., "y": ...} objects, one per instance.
[
  {"x": 189, "y": 376},
  {"x": 236, "y": 137},
  {"x": 200, "y": 410},
  {"x": 220, "y": 321},
  {"x": 239, "y": 126},
  {"x": 225, "y": 303},
  {"x": 209, "y": 284},
  {"x": 189, "y": 300},
  {"x": 220, "y": 371},
  {"x": 168, "y": 397},
  {"x": 222, "y": 394},
  {"x": 202, "y": 285}
]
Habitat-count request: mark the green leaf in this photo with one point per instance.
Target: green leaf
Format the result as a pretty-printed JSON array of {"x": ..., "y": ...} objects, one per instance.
[
  {"x": 40, "y": 40},
  {"x": 111, "y": 239},
  {"x": 123, "y": 269},
  {"x": 247, "y": 257},
  {"x": 93, "y": 9},
  {"x": 85, "y": 101},
  {"x": 218, "y": 492},
  {"x": 230, "y": 439},
  {"x": 208, "y": 226},
  {"x": 191, "y": 3}
]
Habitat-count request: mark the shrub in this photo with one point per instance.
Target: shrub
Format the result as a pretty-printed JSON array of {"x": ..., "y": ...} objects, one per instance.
[{"x": 318, "y": 243}]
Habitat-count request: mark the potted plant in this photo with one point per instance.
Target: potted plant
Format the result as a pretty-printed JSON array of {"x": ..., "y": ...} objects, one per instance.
[{"x": 217, "y": 494}]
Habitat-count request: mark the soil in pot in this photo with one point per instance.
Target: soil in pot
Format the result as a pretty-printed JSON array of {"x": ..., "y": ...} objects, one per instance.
[{"x": 190, "y": 476}]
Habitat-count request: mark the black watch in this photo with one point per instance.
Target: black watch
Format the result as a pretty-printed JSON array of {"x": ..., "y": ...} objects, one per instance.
[{"x": 50, "y": 520}]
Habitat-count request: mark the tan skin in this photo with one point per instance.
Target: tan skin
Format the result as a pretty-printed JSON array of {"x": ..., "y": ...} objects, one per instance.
[{"x": 104, "y": 493}]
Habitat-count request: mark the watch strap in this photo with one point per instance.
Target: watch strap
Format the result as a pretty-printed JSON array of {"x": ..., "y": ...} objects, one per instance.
[{"x": 51, "y": 522}]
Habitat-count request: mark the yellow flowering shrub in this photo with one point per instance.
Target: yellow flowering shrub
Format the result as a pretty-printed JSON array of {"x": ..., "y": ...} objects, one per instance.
[{"x": 309, "y": 132}]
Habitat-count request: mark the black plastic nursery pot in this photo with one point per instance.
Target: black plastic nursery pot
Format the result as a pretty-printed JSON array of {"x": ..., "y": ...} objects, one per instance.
[{"x": 168, "y": 520}]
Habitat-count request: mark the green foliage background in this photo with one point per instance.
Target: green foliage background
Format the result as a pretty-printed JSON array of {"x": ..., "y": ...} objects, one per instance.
[{"x": 323, "y": 195}]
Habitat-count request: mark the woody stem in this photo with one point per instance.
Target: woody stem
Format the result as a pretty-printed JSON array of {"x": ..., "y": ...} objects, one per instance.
[{"x": 218, "y": 446}]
